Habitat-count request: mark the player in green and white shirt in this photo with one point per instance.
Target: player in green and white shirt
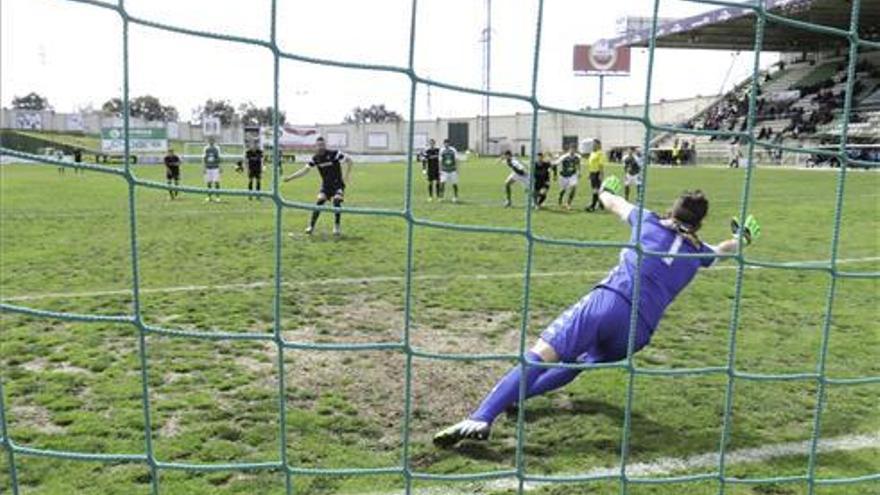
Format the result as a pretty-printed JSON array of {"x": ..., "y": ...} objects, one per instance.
[
  {"x": 448, "y": 170},
  {"x": 569, "y": 168},
  {"x": 518, "y": 173},
  {"x": 211, "y": 159}
]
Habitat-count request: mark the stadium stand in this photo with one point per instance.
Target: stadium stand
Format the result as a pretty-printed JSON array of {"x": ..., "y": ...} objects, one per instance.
[
  {"x": 798, "y": 104},
  {"x": 800, "y": 99},
  {"x": 872, "y": 101},
  {"x": 787, "y": 75}
]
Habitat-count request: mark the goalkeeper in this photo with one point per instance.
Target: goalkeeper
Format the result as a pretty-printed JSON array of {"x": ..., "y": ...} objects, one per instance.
[{"x": 596, "y": 328}]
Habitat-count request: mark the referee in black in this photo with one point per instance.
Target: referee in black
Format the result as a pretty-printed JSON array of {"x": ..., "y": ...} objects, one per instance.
[
  {"x": 172, "y": 172},
  {"x": 430, "y": 158}
]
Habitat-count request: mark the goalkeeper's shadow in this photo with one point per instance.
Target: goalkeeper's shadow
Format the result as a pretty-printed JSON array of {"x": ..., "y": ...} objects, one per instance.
[
  {"x": 537, "y": 410},
  {"x": 545, "y": 413}
]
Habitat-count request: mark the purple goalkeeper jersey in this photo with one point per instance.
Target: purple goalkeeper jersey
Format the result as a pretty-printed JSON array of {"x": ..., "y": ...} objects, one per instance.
[{"x": 662, "y": 278}]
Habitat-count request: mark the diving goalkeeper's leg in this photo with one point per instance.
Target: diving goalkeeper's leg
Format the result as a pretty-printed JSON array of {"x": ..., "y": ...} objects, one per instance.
[
  {"x": 552, "y": 379},
  {"x": 595, "y": 329},
  {"x": 505, "y": 393}
]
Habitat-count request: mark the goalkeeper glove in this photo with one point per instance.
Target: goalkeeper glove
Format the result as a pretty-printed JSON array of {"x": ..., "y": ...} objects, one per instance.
[
  {"x": 612, "y": 184},
  {"x": 751, "y": 230}
]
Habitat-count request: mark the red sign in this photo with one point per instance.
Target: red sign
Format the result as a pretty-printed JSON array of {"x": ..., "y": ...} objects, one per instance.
[{"x": 601, "y": 58}]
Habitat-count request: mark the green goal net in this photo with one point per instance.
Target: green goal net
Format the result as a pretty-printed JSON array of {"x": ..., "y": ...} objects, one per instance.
[{"x": 405, "y": 469}]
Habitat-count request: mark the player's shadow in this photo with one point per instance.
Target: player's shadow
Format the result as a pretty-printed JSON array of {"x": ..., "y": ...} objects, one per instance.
[
  {"x": 537, "y": 410},
  {"x": 653, "y": 436},
  {"x": 321, "y": 237},
  {"x": 554, "y": 210}
]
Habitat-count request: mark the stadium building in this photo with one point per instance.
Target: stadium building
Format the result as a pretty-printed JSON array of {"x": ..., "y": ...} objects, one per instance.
[{"x": 508, "y": 131}]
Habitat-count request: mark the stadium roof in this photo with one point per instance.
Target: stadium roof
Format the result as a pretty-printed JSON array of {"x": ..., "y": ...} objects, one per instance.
[{"x": 733, "y": 28}]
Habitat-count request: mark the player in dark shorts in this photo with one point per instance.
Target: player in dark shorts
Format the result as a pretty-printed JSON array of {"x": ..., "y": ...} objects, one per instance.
[
  {"x": 78, "y": 158},
  {"x": 543, "y": 168},
  {"x": 430, "y": 158},
  {"x": 329, "y": 165},
  {"x": 254, "y": 158},
  {"x": 172, "y": 172}
]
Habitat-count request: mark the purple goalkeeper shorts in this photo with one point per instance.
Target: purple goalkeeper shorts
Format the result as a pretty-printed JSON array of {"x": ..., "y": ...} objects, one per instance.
[{"x": 595, "y": 329}]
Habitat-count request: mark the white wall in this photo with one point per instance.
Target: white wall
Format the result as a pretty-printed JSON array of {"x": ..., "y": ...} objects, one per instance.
[
  {"x": 514, "y": 131},
  {"x": 509, "y": 131}
]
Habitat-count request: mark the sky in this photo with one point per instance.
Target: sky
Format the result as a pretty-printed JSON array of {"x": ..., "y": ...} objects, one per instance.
[{"x": 72, "y": 53}]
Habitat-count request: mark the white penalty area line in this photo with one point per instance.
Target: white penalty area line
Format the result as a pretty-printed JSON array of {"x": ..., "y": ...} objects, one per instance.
[
  {"x": 367, "y": 280},
  {"x": 667, "y": 466},
  {"x": 170, "y": 210}
]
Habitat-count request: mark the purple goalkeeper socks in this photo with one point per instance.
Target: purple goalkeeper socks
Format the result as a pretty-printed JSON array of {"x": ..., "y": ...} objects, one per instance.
[
  {"x": 551, "y": 379},
  {"x": 506, "y": 391}
]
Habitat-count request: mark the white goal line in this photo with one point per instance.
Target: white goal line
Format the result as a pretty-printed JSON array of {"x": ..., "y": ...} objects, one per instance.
[
  {"x": 666, "y": 466},
  {"x": 366, "y": 280}
]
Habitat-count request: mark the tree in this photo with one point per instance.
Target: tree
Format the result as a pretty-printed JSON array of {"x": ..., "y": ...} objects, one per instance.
[
  {"x": 31, "y": 101},
  {"x": 113, "y": 106},
  {"x": 151, "y": 109},
  {"x": 373, "y": 114},
  {"x": 253, "y": 115},
  {"x": 221, "y": 109},
  {"x": 146, "y": 107},
  {"x": 171, "y": 114}
]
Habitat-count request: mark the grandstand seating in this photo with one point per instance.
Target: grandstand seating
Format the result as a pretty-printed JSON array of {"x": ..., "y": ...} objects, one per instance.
[
  {"x": 872, "y": 101},
  {"x": 784, "y": 79},
  {"x": 819, "y": 74},
  {"x": 813, "y": 118},
  {"x": 866, "y": 127}
]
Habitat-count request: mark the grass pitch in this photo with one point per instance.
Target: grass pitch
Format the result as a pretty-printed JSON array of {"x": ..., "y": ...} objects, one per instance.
[{"x": 209, "y": 267}]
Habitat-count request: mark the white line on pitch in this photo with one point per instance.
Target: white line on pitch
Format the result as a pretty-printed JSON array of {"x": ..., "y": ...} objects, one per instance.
[
  {"x": 366, "y": 280},
  {"x": 666, "y": 466},
  {"x": 169, "y": 210}
]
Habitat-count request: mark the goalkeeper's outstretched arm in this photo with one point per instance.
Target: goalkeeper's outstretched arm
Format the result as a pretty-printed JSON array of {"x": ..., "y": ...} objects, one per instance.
[
  {"x": 729, "y": 246},
  {"x": 610, "y": 197},
  {"x": 748, "y": 231},
  {"x": 617, "y": 205},
  {"x": 622, "y": 208}
]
